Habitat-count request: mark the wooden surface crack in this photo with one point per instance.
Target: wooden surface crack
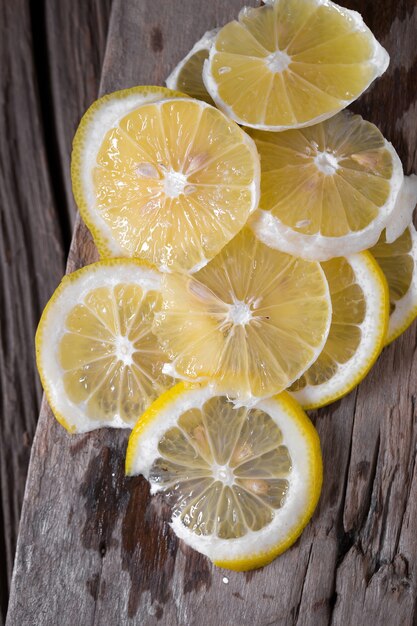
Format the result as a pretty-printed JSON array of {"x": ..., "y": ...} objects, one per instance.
[
  {"x": 94, "y": 590},
  {"x": 297, "y": 608}
]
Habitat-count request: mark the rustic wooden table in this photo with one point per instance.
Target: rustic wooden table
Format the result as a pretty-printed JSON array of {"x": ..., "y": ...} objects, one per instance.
[{"x": 93, "y": 548}]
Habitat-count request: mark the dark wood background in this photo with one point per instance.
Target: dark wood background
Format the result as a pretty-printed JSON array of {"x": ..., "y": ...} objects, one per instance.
[{"x": 93, "y": 548}]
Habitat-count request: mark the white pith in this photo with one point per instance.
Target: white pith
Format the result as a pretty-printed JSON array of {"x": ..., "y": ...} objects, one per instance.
[
  {"x": 301, "y": 478},
  {"x": 380, "y": 61},
  {"x": 274, "y": 233},
  {"x": 73, "y": 292},
  {"x": 372, "y": 340},
  {"x": 109, "y": 116}
]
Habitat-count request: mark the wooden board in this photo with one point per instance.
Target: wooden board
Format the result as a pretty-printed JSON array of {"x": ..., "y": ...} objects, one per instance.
[
  {"x": 41, "y": 89},
  {"x": 94, "y": 549},
  {"x": 30, "y": 237}
]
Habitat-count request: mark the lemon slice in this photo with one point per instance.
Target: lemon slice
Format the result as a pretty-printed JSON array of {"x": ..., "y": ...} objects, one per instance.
[
  {"x": 398, "y": 261},
  {"x": 328, "y": 190},
  {"x": 102, "y": 114},
  {"x": 242, "y": 480},
  {"x": 254, "y": 318},
  {"x": 169, "y": 181},
  {"x": 292, "y": 63},
  {"x": 359, "y": 295},
  {"x": 99, "y": 362},
  {"x": 187, "y": 76}
]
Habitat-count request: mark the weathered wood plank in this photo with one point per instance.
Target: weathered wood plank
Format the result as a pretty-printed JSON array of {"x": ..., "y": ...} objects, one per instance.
[
  {"x": 41, "y": 92},
  {"x": 75, "y": 42},
  {"x": 95, "y": 549},
  {"x": 31, "y": 262}
]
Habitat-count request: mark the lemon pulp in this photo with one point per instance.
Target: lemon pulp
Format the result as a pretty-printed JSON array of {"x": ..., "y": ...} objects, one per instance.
[
  {"x": 398, "y": 261},
  {"x": 174, "y": 181},
  {"x": 397, "y": 264},
  {"x": 327, "y": 190},
  {"x": 348, "y": 312},
  {"x": 224, "y": 469},
  {"x": 359, "y": 295},
  {"x": 190, "y": 77},
  {"x": 307, "y": 59},
  {"x": 110, "y": 358},
  {"x": 253, "y": 319},
  {"x": 189, "y": 72},
  {"x": 329, "y": 179}
]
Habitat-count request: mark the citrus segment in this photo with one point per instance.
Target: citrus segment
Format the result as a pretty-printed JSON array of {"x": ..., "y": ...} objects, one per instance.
[
  {"x": 187, "y": 76},
  {"x": 359, "y": 296},
  {"x": 398, "y": 261},
  {"x": 254, "y": 318},
  {"x": 99, "y": 362},
  {"x": 242, "y": 480},
  {"x": 292, "y": 63},
  {"x": 327, "y": 190},
  {"x": 171, "y": 182}
]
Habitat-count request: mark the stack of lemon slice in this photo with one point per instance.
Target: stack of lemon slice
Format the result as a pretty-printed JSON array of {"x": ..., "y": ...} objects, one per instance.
[{"x": 234, "y": 259}]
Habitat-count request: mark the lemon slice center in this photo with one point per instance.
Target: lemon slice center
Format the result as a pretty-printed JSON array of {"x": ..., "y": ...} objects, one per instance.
[
  {"x": 174, "y": 183},
  {"x": 278, "y": 61},
  {"x": 224, "y": 474},
  {"x": 124, "y": 350},
  {"x": 239, "y": 313},
  {"x": 326, "y": 162}
]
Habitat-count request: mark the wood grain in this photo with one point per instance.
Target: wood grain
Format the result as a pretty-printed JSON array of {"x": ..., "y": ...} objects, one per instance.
[
  {"x": 95, "y": 549},
  {"x": 41, "y": 90},
  {"x": 30, "y": 239},
  {"x": 75, "y": 42}
]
